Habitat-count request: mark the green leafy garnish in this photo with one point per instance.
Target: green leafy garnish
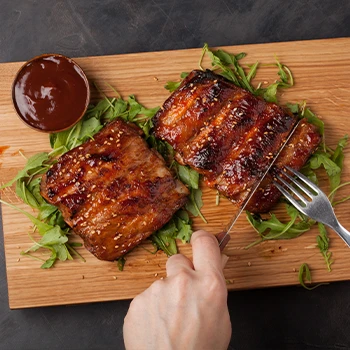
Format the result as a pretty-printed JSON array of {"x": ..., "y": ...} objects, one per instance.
[
  {"x": 179, "y": 227},
  {"x": 190, "y": 177},
  {"x": 305, "y": 275},
  {"x": 338, "y": 159},
  {"x": 195, "y": 203},
  {"x": 173, "y": 85},
  {"x": 274, "y": 229},
  {"x": 323, "y": 244},
  {"x": 228, "y": 66},
  {"x": 54, "y": 238},
  {"x": 36, "y": 165},
  {"x": 286, "y": 81},
  {"x": 121, "y": 263}
]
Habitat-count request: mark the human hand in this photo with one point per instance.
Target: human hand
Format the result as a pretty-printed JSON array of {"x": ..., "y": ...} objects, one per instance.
[{"x": 186, "y": 310}]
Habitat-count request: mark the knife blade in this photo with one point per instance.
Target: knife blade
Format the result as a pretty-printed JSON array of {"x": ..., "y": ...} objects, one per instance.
[{"x": 223, "y": 236}]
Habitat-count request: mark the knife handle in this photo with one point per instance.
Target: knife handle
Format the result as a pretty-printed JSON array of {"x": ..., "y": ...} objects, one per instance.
[{"x": 223, "y": 238}]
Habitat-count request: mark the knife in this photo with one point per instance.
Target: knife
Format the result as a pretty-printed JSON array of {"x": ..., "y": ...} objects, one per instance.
[{"x": 223, "y": 237}]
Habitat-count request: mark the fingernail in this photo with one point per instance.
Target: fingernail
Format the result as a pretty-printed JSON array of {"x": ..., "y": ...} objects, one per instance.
[{"x": 224, "y": 260}]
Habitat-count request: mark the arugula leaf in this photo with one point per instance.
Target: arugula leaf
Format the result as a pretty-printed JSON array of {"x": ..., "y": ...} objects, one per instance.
[
  {"x": 309, "y": 173},
  {"x": 35, "y": 165},
  {"x": 323, "y": 245},
  {"x": 99, "y": 109},
  {"x": 164, "y": 238},
  {"x": 179, "y": 227},
  {"x": 270, "y": 93},
  {"x": 338, "y": 159},
  {"x": 303, "y": 112},
  {"x": 23, "y": 192},
  {"x": 195, "y": 203},
  {"x": 274, "y": 229},
  {"x": 173, "y": 85},
  {"x": 252, "y": 71},
  {"x": 305, "y": 274},
  {"x": 312, "y": 118},
  {"x": 134, "y": 108},
  {"x": 188, "y": 176},
  {"x": 228, "y": 66},
  {"x": 66, "y": 140},
  {"x": 121, "y": 263},
  {"x": 163, "y": 148},
  {"x": 183, "y": 226},
  {"x": 53, "y": 239},
  {"x": 41, "y": 226},
  {"x": 293, "y": 107},
  {"x": 88, "y": 129},
  {"x": 320, "y": 158}
]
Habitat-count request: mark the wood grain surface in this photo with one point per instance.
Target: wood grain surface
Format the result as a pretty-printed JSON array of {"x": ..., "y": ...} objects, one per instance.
[{"x": 320, "y": 70}]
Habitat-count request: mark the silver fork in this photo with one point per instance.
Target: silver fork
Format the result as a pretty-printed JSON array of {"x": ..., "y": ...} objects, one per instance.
[{"x": 317, "y": 206}]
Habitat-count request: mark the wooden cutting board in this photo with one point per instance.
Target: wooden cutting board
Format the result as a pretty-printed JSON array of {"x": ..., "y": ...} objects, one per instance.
[{"x": 321, "y": 71}]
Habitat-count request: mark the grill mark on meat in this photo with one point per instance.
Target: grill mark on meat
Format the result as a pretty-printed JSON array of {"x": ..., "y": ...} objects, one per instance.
[
  {"x": 242, "y": 168},
  {"x": 113, "y": 190},
  {"x": 300, "y": 147}
]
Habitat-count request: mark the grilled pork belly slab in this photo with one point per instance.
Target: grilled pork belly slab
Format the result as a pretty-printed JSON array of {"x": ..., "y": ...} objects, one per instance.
[
  {"x": 113, "y": 191},
  {"x": 223, "y": 131}
]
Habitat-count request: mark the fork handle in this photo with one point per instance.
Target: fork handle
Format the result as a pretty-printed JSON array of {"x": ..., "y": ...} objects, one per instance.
[{"x": 342, "y": 232}]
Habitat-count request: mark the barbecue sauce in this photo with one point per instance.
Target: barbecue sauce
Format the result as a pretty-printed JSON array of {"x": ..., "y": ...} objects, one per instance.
[{"x": 51, "y": 93}]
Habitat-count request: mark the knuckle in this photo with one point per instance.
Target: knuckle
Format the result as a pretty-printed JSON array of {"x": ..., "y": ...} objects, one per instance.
[
  {"x": 183, "y": 279},
  {"x": 156, "y": 287},
  {"x": 215, "y": 286},
  {"x": 136, "y": 302},
  {"x": 175, "y": 259}
]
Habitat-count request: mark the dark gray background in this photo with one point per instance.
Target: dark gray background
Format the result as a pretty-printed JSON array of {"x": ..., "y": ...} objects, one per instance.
[{"x": 278, "y": 318}]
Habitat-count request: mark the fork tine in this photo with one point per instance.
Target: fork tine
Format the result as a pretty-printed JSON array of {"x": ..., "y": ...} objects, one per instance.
[
  {"x": 304, "y": 179},
  {"x": 292, "y": 189},
  {"x": 302, "y": 188},
  {"x": 289, "y": 197}
]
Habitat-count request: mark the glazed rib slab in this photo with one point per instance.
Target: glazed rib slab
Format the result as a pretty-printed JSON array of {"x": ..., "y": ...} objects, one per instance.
[
  {"x": 224, "y": 132},
  {"x": 113, "y": 191},
  {"x": 300, "y": 147}
]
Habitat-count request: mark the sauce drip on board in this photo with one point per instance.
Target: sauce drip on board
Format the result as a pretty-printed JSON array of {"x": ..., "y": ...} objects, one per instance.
[
  {"x": 3, "y": 149},
  {"x": 51, "y": 93}
]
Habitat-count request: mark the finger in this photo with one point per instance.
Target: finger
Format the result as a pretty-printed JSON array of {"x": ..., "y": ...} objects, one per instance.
[
  {"x": 177, "y": 263},
  {"x": 206, "y": 251}
]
